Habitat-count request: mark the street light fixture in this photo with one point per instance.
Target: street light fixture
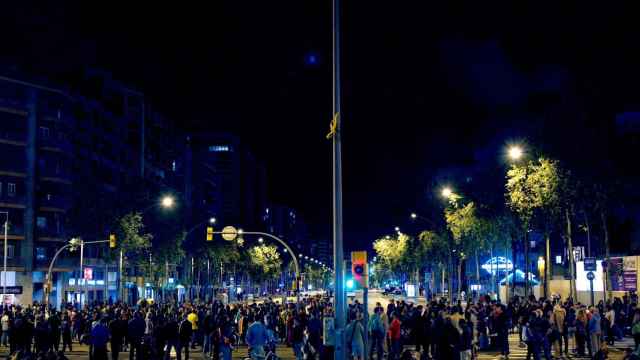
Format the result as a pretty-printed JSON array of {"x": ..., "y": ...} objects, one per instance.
[
  {"x": 212, "y": 220},
  {"x": 447, "y": 192},
  {"x": 261, "y": 240},
  {"x": 167, "y": 202},
  {"x": 397, "y": 229},
  {"x": 414, "y": 215},
  {"x": 515, "y": 152}
]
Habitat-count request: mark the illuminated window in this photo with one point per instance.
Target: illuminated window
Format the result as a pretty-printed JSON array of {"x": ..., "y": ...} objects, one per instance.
[
  {"x": 41, "y": 253},
  {"x": 11, "y": 189},
  {"x": 219, "y": 148}
]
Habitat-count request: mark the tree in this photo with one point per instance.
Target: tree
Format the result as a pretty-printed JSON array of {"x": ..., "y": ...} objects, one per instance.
[
  {"x": 434, "y": 249},
  {"x": 533, "y": 192},
  {"x": 134, "y": 242},
  {"x": 265, "y": 262},
  {"x": 468, "y": 234},
  {"x": 391, "y": 252}
]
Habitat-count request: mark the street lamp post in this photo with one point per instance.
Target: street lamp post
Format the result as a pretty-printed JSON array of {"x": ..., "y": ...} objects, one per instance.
[
  {"x": 166, "y": 202},
  {"x": 73, "y": 243},
  {"x": 284, "y": 244},
  {"x": 516, "y": 153},
  {"x": 4, "y": 268},
  {"x": 338, "y": 254}
]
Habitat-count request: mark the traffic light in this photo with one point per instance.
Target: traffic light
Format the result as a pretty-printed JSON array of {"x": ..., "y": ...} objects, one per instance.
[
  {"x": 359, "y": 268},
  {"x": 209, "y": 233},
  {"x": 112, "y": 241}
]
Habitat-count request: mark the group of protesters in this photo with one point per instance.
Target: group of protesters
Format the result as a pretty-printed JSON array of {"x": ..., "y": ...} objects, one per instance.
[
  {"x": 400, "y": 329},
  {"x": 155, "y": 331}
]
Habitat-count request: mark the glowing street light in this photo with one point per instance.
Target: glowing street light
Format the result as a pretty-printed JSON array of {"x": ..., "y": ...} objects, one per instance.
[
  {"x": 447, "y": 192},
  {"x": 167, "y": 202},
  {"x": 260, "y": 240},
  {"x": 515, "y": 152},
  {"x": 414, "y": 216},
  {"x": 397, "y": 228},
  {"x": 212, "y": 220}
]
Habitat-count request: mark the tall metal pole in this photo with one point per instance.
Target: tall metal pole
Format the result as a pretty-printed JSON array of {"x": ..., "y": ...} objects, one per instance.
[
  {"x": 84, "y": 284},
  {"x": 121, "y": 277},
  {"x": 4, "y": 269},
  {"x": 338, "y": 255}
]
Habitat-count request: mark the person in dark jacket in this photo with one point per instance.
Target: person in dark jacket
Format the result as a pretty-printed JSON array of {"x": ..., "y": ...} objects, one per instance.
[
  {"x": 501, "y": 326},
  {"x": 99, "y": 340},
  {"x": 207, "y": 332},
  {"x": 466, "y": 339},
  {"x": 118, "y": 329},
  {"x": 185, "y": 332},
  {"x": 172, "y": 337},
  {"x": 54, "y": 326},
  {"x": 65, "y": 327},
  {"x": 135, "y": 332}
]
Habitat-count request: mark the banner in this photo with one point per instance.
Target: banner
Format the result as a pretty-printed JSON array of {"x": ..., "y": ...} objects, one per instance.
[{"x": 623, "y": 273}]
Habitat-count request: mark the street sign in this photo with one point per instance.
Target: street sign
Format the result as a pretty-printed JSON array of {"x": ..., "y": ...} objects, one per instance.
[
  {"x": 591, "y": 276},
  {"x": 589, "y": 264},
  {"x": 88, "y": 273},
  {"x": 229, "y": 233},
  {"x": 15, "y": 290}
]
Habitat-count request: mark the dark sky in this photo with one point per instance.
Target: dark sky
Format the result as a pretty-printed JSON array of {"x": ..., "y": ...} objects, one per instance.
[{"x": 425, "y": 87}]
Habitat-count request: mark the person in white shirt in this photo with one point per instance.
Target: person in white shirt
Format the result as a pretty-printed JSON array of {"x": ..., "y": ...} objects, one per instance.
[
  {"x": 611, "y": 321},
  {"x": 5, "y": 329}
]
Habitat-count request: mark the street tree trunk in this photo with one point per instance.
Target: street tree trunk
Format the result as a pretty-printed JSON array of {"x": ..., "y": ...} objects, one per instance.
[
  {"x": 588, "y": 229},
  {"x": 459, "y": 277},
  {"x": 526, "y": 261},
  {"x": 603, "y": 218},
  {"x": 477, "y": 268},
  {"x": 443, "y": 277},
  {"x": 548, "y": 264},
  {"x": 506, "y": 288},
  {"x": 572, "y": 273}
]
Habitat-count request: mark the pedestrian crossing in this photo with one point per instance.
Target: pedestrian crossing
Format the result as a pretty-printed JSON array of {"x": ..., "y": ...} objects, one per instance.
[{"x": 519, "y": 351}]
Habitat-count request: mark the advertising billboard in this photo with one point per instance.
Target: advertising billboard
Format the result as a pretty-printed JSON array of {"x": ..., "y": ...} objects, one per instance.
[{"x": 582, "y": 283}]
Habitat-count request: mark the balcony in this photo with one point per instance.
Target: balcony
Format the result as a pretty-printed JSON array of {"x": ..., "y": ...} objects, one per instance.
[
  {"x": 14, "y": 202},
  {"x": 13, "y": 105},
  {"x": 54, "y": 202},
  {"x": 13, "y": 138},
  {"x": 54, "y": 144}
]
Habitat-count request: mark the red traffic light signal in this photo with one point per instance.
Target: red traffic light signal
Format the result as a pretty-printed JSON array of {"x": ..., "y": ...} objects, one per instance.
[{"x": 359, "y": 268}]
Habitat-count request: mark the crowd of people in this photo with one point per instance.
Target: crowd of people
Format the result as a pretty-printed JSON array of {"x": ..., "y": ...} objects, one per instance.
[{"x": 549, "y": 328}]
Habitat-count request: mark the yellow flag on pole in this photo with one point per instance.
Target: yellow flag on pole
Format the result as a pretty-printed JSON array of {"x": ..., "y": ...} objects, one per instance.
[{"x": 333, "y": 126}]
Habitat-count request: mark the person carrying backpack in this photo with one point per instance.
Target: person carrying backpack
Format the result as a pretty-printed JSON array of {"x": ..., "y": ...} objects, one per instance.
[
  {"x": 376, "y": 331},
  {"x": 355, "y": 337}
]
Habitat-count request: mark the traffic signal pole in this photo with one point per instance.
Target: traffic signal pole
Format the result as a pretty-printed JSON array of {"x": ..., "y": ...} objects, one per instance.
[{"x": 338, "y": 254}]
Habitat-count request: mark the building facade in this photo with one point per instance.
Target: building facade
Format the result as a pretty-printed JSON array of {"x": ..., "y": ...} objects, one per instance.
[
  {"x": 72, "y": 160},
  {"x": 223, "y": 179}
]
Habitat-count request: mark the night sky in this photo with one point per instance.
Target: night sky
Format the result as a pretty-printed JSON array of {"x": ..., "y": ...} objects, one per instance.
[{"x": 426, "y": 88}]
